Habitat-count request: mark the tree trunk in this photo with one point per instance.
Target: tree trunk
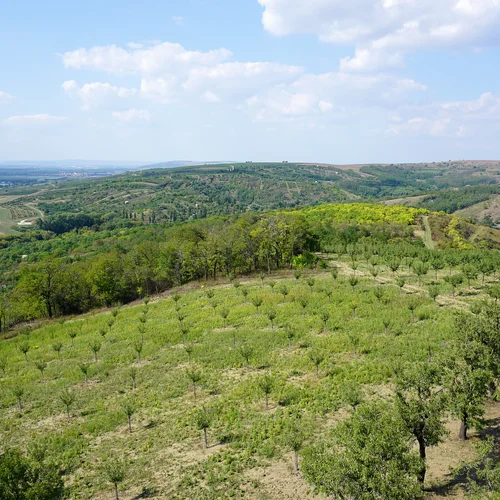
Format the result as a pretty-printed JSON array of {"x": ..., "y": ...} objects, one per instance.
[
  {"x": 421, "y": 449},
  {"x": 462, "y": 435},
  {"x": 296, "y": 461},
  {"x": 116, "y": 492},
  {"x": 267, "y": 402},
  {"x": 194, "y": 391},
  {"x": 205, "y": 441}
]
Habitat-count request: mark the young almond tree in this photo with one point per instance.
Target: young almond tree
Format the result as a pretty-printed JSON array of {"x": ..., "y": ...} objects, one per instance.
[
  {"x": 470, "y": 272},
  {"x": 290, "y": 335},
  {"x": 297, "y": 275},
  {"x": 72, "y": 335},
  {"x": 379, "y": 293},
  {"x": 420, "y": 404},
  {"x": 303, "y": 303},
  {"x": 394, "y": 265},
  {"x": 41, "y": 366},
  {"x": 294, "y": 438},
  {"x": 184, "y": 331},
  {"x": 401, "y": 284},
  {"x": 433, "y": 292},
  {"x": 129, "y": 409},
  {"x": 195, "y": 376},
  {"x": 214, "y": 303},
  {"x": 224, "y": 313},
  {"x": 57, "y": 348},
  {"x": 246, "y": 352},
  {"x": 19, "y": 393},
  {"x": 181, "y": 316},
  {"x": 283, "y": 289},
  {"x": 455, "y": 280},
  {"x": 310, "y": 283},
  {"x": 24, "y": 347},
  {"x": 352, "y": 395},
  {"x": 95, "y": 347},
  {"x": 317, "y": 357},
  {"x": 67, "y": 399},
  {"x": 355, "y": 339},
  {"x": 271, "y": 314},
  {"x": 138, "y": 347},
  {"x": 374, "y": 273},
  {"x": 114, "y": 472},
  {"x": 257, "y": 302},
  {"x": 3, "y": 365},
  {"x": 420, "y": 269},
  {"x": 189, "y": 348},
  {"x": 132, "y": 373},
  {"x": 325, "y": 316},
  {"x": 437, "y": 264},
  {"x": 203, "y": 420},
  {"x": 412, "y": 306},
  {"x": 353, "y": 281},
  {"x": 266, "y": 384},
  {"x": 85, "y": 368},
  {"x": 244, "y": 292}
]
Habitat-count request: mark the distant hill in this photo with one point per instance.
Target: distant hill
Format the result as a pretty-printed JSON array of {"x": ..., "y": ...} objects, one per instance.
[{"x": 177, "y": 191}]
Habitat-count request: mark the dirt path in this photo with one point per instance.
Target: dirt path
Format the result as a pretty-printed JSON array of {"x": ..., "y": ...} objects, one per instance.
[{"x": 479, "y": 232}]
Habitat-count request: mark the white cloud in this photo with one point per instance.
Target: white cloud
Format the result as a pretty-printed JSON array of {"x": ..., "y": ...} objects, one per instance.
[
  {"x": 179, "y": 20},
  {"x": 237, "y": 80},
  {"x": 164, "y": 90},
  {"x": 455, "y": 119},
  {"x": 383, "y": 31},
  {"x": 4, "y": 97},
  {"x": 209, "y": 96},
  {"x": 41, "y": 119},
  {"x": 282, "y": 104},
  {"x": 97, "y": 94},
  {"x": 132, "y": 115},
  {"x": 423, "y": 126},
  {"x": 266, "y": 90},
  {"x": 316, "y": 94},
  {"x": 153, "y": 60}
]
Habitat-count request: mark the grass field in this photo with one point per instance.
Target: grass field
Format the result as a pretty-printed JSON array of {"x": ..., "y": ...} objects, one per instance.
[
  {"x": 6, "y": 222},
  {"x": 209, "y": 347}
]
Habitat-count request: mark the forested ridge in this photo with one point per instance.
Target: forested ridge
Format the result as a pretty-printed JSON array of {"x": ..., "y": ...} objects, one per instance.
[{"x": 50, "y": 274}]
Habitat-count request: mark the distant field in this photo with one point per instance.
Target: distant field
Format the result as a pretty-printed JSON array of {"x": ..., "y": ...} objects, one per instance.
[{"x": 6, "y": 222}]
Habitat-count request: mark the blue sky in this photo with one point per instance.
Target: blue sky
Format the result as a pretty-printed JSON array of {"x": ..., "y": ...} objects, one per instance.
[{"x": 305, "y": 80}]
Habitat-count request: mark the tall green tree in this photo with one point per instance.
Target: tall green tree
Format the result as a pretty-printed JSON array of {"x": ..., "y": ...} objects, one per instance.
[
  {"x": 369, "y": 457},
  {"x": 420, "y": 403}
]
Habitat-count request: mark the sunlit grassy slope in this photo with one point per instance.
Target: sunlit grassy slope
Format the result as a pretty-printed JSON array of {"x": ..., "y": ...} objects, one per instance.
[{"x": 367, "y": 331}]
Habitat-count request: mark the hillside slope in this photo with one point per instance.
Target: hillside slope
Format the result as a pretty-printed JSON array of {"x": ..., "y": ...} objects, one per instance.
[{"x": 197, "y": 192}]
